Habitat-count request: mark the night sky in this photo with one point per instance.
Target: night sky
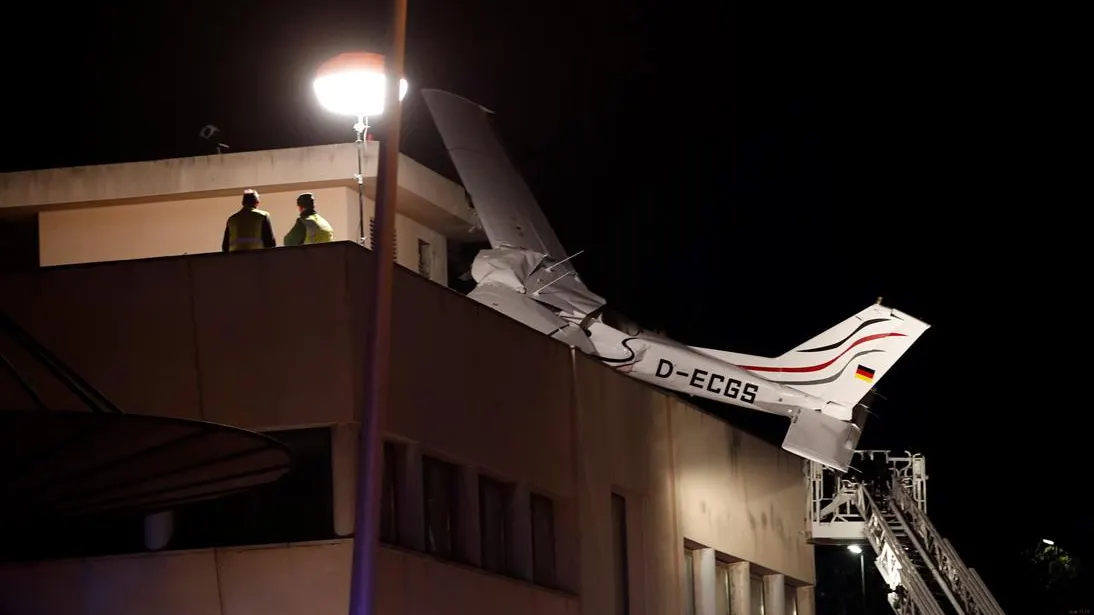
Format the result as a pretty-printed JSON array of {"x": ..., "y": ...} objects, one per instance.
[{"x": 742, "y": 180}]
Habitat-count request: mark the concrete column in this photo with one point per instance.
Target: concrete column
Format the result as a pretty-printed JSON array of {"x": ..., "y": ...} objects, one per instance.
[
  {"x": 410, "y": 499},
  {"x": 470, "y": 533},
  {"x": 522, "y": 532},
  {"x": 344, "y": 476},
  {"x": 806, "y": 604},
  {"x": 158, "y": 529},
  {"x": 704, "y": 579},
  {"x": 740, "y": 589},
  {"x": 774, "y": 594}
]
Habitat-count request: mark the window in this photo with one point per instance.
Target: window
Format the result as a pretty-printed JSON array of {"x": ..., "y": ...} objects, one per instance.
[
  {"x": 543, "y": 540},
  {"x": 689, "y": 582},
  {"x": 791, "y": 600},
  {"x": 39, "y": 539},
  {"x": 721, "y": 583},
  {"x": 439, "y": 482},
  {"x": 19, "y": 243},
  {"x": 389, "y": 502},
  {"x": 619, "y": 551},
  {"x": 757, "y": 591},
  {"x": 297, "y": 507},
  {"x": 425, "y": 258},
  {"x": 495, "y": 519},
  {"x": 372, "y": 238}
]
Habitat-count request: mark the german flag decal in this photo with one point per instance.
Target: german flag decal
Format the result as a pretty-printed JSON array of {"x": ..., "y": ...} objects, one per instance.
[{"x": 864, "y": 373}]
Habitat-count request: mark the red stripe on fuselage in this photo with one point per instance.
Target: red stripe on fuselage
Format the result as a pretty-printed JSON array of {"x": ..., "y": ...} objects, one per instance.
[{"x": 820, "y": 366}]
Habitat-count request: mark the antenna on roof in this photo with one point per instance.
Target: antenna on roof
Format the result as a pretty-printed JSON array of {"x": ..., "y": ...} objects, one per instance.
[
  {"x": 879, "y": 300},
  {"x": 208, "y": 133}
]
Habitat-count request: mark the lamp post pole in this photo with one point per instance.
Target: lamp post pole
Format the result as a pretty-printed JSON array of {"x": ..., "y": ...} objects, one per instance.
[
  {"x": 862, "y": 572},
  {"x": 377, "y": 385},
  {"x": 361, "y": 127}
]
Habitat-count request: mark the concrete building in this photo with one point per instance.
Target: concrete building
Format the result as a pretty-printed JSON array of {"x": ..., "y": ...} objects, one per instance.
[{"x": 520, "y": 476}]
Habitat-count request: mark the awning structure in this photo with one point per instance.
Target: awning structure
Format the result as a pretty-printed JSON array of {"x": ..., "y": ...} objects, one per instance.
[{"x": 65, "y": 463}]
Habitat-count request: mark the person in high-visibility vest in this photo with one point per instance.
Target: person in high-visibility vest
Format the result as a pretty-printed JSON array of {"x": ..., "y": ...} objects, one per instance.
[
  {"x": 249, "y": 228},
  {"x": 310, "y": 227}
]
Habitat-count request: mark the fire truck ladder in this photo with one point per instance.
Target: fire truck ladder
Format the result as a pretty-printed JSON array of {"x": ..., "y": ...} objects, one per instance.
[
  {"x": 912, "y": 553},
  {"x": 922, "y": 569}
]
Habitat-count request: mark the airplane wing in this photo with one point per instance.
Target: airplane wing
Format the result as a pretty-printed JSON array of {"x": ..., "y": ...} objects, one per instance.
[
  {"x": 509, "y": 213},
  {"x": 506, "y": 207}
]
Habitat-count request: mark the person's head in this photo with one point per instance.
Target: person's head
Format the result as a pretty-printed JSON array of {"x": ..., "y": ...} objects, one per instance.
[
  {"x": 306, "y": 202},
  {"x": 250, "y": 198}
]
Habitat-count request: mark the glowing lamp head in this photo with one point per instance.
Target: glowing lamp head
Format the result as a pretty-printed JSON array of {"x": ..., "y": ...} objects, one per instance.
[
  {"x": 354, "y": 84},
  {"x": 855, "y": 549}
]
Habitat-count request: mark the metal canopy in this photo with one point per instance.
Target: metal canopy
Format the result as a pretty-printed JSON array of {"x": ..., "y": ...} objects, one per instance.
[{"x": 75, "y": 462}]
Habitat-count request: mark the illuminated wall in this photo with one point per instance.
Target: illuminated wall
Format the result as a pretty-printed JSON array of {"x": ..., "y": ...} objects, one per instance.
[{"x": 229, "y": 338}]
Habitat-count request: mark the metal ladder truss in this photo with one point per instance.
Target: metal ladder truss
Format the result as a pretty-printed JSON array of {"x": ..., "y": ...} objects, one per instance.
[
  {"x": 922, "y": 569},
  {"x": 896, "y": 568},
  {"x": 967, "y": 589}
]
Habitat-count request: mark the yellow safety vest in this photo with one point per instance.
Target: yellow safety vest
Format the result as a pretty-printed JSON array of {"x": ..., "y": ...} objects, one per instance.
[
  {"x": 245, "y": 229},
  {"x": 318, "y": 229}
]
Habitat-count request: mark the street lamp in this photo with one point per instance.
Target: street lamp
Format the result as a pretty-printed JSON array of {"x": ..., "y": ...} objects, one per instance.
[
  {"x": 347, "y": 84},
  {"x": 857, "y": 550},
  {"x": 1048, "y": 542},
  {"x": 354, "y": 84}
]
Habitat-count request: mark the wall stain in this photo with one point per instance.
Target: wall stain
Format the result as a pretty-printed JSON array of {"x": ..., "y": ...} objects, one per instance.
[
  {"x": 735, "y": 446},
  {"x": 780, "y": 527}
]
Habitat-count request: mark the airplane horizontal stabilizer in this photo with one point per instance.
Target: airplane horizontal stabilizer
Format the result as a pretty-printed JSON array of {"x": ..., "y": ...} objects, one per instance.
[{"x": 821, "y": 438}]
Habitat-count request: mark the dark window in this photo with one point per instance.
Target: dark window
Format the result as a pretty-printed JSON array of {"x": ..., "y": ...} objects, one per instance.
[
  {"x": 619, "y": 552},
  {"x": 543, "y": 540},
  {"x": 45, "y": 539},
  {"x": 425, "y": 258},
  {"x": 297, "y": 507},
  {"x": 495, "y": 519},
  {"x": 439, "y": 481},
  {"x": 389, "y": 500},
  {"x": 19, "y": 243}
]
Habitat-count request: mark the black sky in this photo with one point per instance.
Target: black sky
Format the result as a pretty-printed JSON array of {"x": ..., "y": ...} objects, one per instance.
[{"x": 741, "y": 179}]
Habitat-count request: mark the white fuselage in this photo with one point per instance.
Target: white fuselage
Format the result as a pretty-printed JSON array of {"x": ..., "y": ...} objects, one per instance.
[
  {"x": 669, "y": 364},
  {"x": 504, "y": 276}
]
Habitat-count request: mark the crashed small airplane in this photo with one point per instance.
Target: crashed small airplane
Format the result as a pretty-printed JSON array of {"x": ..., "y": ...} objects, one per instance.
[{"x": 820, "y": 385}]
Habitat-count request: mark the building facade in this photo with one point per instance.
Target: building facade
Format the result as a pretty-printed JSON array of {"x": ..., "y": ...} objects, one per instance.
[{"x": 520, "y": 475}]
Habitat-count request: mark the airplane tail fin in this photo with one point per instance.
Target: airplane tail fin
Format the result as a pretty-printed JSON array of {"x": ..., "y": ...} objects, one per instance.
[{"x": 842, "y": 364}]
